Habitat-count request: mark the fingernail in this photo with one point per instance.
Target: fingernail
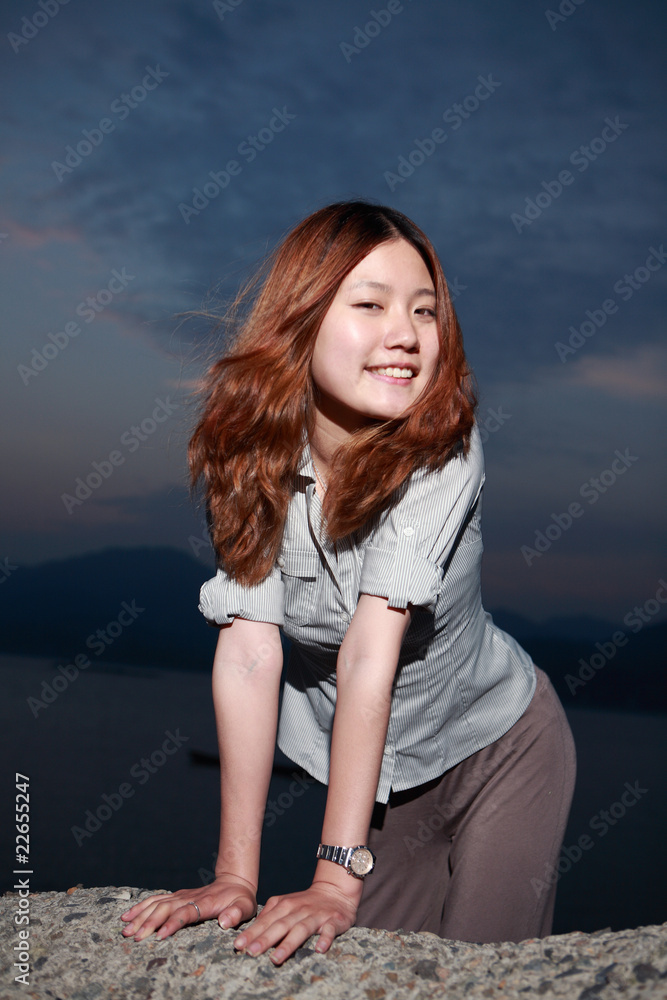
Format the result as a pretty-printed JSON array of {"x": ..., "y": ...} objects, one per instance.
[
  {"x": 224, "y": 923},
  {"x": 254, "y": 948},
  {"x": 278, "y": 956}
]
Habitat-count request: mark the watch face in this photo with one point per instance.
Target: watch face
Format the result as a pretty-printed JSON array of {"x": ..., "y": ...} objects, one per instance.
[{"x": 362, "y": 861}]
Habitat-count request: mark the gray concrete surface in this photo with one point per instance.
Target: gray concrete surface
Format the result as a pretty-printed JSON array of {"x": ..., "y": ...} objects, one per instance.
[{"x": 76, "y": 952}]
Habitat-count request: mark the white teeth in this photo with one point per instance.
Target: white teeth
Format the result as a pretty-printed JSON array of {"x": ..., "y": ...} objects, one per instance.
[{"x": 395, "y": 372}]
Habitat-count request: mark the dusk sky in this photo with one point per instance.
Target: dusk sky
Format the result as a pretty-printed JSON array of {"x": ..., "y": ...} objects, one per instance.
[{"x": 529, "y": 145}]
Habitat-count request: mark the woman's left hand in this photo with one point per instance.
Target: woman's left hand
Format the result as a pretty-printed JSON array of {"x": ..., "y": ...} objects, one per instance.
[{"x": 288, "y": 921}]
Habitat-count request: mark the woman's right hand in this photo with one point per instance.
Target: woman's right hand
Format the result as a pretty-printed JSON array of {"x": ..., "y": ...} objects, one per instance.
[{"x": 230, "y": 898}]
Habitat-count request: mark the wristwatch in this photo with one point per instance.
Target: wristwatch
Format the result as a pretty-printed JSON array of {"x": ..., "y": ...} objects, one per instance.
[{"x": 357, "y": 861}]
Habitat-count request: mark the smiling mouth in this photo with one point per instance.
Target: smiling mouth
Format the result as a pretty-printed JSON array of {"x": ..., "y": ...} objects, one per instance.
[{"x": 404, "y": 373}]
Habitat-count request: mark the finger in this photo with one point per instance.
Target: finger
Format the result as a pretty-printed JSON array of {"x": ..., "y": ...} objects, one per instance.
[
  {"x": 327, "y": 934},
  {"x": 327, "y": 926},
  {"x": 295, "y": 939},
  {"x": 274, "y": 901},
  {"x": 291, "y": 904},
  {"x": 264, "y": 922},
  {"x": 141, "y": 906},
  {"x": 288, "y": 933},
  {"x": 234, "y": 914},
  {"x": 186, "y": 914},
  {"x": 168, "y": 917},
  {"x": 263, "y": 934},
  {"x": 145, "y": 914}
]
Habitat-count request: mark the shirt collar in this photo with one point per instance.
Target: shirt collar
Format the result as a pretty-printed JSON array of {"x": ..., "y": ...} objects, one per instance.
[{"x": 306, "y": 464}]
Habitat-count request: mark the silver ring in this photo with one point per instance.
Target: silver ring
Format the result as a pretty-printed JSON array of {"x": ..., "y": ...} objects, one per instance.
[{"x": 192, "y": 903}]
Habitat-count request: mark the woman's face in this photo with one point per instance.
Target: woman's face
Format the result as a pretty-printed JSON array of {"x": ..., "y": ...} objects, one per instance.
[{"x": 378, "y": 343}]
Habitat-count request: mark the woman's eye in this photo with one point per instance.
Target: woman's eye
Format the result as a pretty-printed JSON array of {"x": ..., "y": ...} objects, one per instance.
[{"x": 423, "y": 310}]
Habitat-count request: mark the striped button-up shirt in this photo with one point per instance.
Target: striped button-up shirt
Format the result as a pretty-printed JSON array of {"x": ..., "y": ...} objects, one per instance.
[{"x": 461, "y": 682}]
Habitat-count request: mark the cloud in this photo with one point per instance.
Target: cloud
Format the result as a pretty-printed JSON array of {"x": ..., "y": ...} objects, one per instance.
[
  {"x": 33, "y": 238},
  {"x": 641, "y": 375}
]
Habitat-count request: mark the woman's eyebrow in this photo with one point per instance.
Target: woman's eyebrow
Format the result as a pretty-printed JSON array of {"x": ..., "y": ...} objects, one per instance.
[{"x": 381, "y": 287}]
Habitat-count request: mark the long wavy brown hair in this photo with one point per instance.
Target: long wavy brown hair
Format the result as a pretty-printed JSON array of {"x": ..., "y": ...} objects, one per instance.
[{"x": 258, "y": 407}]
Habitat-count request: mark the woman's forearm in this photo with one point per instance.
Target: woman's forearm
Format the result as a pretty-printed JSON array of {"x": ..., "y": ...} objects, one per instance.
[
  {"x": 246, "y": 679},
  {"x": 358, "y": 740},
  {"x": 365, "y": 672}
]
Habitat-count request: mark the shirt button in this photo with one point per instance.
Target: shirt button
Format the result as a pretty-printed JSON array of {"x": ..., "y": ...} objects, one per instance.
[
  {"x": 408, "y": 531},
  {"x": 344, "y": 616},
  {"x": 280, "y": 561},
  {"x": 388, "y": 752}
]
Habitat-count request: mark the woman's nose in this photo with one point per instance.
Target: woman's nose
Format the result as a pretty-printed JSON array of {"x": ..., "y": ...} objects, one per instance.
[{"x": 401, "y": 332}]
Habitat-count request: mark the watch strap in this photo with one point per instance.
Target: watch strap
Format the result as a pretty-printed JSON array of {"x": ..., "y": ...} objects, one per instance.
[{"x": 339, "y": 855}]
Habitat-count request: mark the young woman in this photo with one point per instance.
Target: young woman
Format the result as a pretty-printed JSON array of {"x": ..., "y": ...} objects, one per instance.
[{"x": 343, "y": 474}]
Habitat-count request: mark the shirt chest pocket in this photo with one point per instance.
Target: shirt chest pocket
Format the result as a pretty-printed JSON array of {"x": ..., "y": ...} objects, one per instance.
[{"x": 302, "y": 577}]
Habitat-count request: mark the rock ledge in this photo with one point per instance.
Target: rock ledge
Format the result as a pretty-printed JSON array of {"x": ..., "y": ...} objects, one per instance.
[{"x": 77, "y": 953}]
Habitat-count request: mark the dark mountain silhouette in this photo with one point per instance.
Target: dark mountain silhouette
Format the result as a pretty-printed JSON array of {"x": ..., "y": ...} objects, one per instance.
[
  {"x": 149, "y": 596},
  {"x": 579, "y": 627},
  {"x": 632, "y": 679},
  {"x": 57, "y": 609},
  {"x": 588, "y": 668}
]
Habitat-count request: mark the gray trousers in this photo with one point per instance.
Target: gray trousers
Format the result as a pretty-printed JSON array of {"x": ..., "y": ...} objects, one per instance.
[{"x": 467, "y": 855}]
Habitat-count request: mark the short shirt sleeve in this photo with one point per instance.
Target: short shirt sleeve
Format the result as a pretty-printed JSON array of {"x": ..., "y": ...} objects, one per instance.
[
  {"x": 406, "y": 553},
  {"x": 221, "y": 599}
]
